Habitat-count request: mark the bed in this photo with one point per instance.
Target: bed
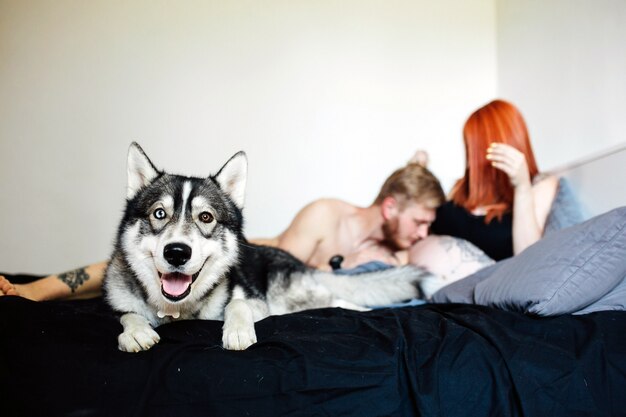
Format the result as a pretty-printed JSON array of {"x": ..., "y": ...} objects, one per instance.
[
  {"x": 61, "y": 358},
  {"x": 553, "y": 346}
]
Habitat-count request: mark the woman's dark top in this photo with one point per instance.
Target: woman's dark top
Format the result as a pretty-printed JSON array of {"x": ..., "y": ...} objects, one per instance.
[{"x": 494, "y": 238}]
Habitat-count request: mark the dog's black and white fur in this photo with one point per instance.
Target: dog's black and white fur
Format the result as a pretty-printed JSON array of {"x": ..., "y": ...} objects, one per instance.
[{"x": 180, "y": 253}]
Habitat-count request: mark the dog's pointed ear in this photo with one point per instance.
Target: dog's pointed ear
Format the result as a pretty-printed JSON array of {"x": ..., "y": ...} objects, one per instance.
[
  {"x": 232, "y": 178},
  {"x": 140, "y": 170}
]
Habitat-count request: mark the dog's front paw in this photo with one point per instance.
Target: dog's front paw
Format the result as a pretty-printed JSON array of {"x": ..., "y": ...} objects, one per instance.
[
  {"x": 137, "y": 339},
  {"x": 238, "y": 336},
  {"x": 137, "y": 335}
]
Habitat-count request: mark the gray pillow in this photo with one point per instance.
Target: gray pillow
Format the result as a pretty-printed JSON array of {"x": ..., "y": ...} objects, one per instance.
[
  {"x": 564, "y": 272},
  {"x": 614, "y": 300},
  {"x": 566, "y": 209},
  {"x": 462, "y": 291}
]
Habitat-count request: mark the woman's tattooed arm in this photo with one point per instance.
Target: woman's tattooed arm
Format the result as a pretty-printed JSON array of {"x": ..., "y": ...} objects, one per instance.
[{"x": 75, "y": 278}]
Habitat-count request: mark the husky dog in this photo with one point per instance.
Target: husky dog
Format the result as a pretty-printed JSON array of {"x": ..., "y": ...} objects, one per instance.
[{"x": 181, "y": 254}]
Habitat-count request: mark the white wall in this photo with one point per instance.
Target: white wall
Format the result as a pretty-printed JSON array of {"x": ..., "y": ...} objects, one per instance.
[
  {"x": 606, "y": 169},
  {"x": 326, "y": 97},
  {"x": 563, "y": 62}
]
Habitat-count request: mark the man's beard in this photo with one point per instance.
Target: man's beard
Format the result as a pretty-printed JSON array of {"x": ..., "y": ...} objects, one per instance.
[{"x": 389, "y": 238}]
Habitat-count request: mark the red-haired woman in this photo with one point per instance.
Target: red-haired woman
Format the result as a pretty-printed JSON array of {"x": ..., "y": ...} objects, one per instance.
[{"x": 501, "y": 203}]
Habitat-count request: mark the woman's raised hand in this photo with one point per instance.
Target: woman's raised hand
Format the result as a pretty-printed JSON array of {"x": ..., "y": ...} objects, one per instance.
[{"x": 510, "y": 161}]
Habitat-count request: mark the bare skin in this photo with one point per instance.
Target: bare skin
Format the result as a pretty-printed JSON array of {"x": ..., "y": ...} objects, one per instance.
[
  {"x": 6, "y": 288},
  {"x": 71, "y": 285},
  {"x": 531, "y": 202}
]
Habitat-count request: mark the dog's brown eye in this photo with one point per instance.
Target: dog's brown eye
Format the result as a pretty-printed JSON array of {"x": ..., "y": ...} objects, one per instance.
[
  {"x": 159, "y": 214},
  {"x": 206, "y": 217}
]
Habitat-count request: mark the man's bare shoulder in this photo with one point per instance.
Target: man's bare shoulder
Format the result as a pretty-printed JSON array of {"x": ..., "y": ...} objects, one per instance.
[
  {"x": 322, "y": 215},
  {"x": 315, "y": 223},
  {"x": 330, "y": 207}
]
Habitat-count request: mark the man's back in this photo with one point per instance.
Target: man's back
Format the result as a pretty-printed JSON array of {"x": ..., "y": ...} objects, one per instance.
[{"x": 329, "y": 227}]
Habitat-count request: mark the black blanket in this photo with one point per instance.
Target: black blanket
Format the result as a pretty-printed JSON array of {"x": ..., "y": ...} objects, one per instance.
[{"x": 61, "y": 358}]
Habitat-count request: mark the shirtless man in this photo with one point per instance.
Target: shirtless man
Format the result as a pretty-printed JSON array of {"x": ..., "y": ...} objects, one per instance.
[{"x": 399, "y": 217}]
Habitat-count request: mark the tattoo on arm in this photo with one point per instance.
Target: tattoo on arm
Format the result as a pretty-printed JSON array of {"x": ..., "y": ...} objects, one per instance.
[
  {"x": 472, "y": 253},
  {"x": 468, "y": 252},
  {"x": 75, "y": 278}
]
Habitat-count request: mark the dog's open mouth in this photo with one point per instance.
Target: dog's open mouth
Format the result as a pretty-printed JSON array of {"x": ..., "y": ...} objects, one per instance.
[{"x": 176, "y": 286}]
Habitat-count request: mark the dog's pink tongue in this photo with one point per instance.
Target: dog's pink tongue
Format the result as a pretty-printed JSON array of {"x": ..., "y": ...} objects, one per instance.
[{"x": 175, "y": 284}]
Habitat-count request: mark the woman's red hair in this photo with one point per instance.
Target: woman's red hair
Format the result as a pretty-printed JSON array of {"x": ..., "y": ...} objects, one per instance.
[{"x": 483, "y": 185}]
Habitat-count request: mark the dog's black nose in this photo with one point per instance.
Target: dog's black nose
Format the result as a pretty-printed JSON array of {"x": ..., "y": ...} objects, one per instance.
[{"x": 177, "y": 254}]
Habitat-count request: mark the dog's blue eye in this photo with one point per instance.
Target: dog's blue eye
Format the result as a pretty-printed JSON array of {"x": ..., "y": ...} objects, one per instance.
[
  {"x": 159, "y": 214},
  {"x": 206, "y": 217}
]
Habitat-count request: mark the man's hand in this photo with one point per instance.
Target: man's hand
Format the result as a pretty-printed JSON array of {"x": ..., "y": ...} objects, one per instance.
[{"x": 510, "y": 161}]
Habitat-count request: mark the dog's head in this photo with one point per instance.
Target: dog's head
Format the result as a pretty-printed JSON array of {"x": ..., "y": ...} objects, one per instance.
[{"x": 181, "y": 234}]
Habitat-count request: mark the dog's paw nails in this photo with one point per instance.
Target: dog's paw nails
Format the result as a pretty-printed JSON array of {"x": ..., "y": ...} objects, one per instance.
[
  {"x": 239, "y": 338},
  {"x": 138, "y": 339}
]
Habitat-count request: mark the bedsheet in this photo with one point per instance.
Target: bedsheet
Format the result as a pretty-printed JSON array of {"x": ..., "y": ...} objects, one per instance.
[{"x": 61, "y": 358}]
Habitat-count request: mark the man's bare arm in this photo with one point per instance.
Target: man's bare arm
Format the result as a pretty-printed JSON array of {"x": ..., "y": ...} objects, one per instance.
[{"x": 306, "y": 231}]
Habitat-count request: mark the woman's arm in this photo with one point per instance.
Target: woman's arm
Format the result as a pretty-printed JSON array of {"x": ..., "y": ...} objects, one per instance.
[
  {"x": 531, "y": 203},
  {"x": 71, "y": 285}
]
